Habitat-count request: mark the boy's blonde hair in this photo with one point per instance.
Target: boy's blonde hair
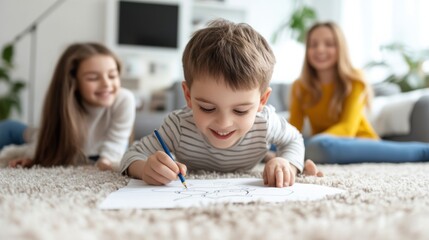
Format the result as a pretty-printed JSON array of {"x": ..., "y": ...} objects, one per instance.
[{"x": 236, "y": 52}]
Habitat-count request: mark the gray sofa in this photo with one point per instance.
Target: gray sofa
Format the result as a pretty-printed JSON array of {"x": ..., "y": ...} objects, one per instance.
[{"x": 147, "y": 121}]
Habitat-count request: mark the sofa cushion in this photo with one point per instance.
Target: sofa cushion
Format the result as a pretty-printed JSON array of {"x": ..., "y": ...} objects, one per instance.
[
  {"x": 279, "y": 96},
  {"x": 390, "y": 115}
]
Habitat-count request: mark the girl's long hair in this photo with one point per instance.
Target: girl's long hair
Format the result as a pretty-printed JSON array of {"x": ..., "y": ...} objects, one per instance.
[
  {"x": 62, "y": 134},
  {"x": 345, "y": 72}
]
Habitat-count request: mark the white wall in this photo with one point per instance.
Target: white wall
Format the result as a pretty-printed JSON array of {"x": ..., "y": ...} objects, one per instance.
[
  {"x": 84, "y": 20},
  {"x": 266, "y": 17},
  {"x": 74, "y": 20}
]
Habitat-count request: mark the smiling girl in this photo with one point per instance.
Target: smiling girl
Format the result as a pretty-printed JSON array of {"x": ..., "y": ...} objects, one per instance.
[
  {"x": 87, "y": 116},
  {"x": 333, "y": 95}
]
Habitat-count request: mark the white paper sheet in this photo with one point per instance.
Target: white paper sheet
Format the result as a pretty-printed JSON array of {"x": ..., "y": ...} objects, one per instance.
[{"x": 138, "y": 194}]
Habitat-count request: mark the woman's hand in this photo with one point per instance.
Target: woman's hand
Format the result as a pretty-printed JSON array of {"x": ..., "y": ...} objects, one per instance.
[{"x": 278, "y": 172}]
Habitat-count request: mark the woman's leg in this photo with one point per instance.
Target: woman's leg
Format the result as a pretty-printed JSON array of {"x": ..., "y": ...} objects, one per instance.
[
  {"x": 330, "y": 149},
  {"x": 11, "y": 132}
]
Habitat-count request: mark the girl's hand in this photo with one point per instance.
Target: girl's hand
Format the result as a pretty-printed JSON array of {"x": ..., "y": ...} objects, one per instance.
[
  {"x": 104, "y": 164},
  {"x": 278, "y": 172},
  {"x": 159, "y": 169},
  {"x": 23, "y": 162}
]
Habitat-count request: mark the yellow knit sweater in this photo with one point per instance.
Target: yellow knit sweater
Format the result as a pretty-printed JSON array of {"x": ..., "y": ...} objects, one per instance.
[{"x": 351, "y": 123}]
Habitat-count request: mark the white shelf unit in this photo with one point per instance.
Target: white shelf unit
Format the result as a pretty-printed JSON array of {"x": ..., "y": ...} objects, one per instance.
[{"x": 204, "y": 11}]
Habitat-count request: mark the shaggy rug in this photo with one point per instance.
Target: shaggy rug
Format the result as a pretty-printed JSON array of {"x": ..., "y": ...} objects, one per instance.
[{"x": 382, "y": 201}]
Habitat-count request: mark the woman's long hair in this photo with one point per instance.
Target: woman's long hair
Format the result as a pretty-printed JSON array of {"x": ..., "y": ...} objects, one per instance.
[
  {"x": 345, "y": 72},
  {"x": 62, "y": 133}
]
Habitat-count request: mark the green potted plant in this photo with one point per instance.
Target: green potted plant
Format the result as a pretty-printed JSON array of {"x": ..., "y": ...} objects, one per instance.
[
  {"x": 415, "y": 77},
  {"x": 302, "y": 18},
  {"x": 10, "y": 98}
]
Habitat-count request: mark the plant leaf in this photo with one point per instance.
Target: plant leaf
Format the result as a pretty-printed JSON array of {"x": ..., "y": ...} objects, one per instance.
[
  {"x": 17, "y": 87},
  {"x": 7, "y": 54},
  {"x": 4, "y": 74},
  {"x": 298, "y": 24},
  {"x": 5, "y": 108},
  {"x": 11, "y": 100}
]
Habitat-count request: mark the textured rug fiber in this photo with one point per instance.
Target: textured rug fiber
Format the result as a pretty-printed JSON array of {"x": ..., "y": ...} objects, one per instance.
[{"x": 382, "y": 201}]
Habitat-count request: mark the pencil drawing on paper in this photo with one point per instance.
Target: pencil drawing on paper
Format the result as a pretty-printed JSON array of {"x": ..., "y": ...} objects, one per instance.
[
  {"x": 218, "y": 192},
  {"x": 138, "y": 194}
]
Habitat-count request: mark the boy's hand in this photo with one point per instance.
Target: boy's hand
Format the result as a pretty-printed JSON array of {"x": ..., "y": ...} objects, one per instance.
[
  {"x": 278, "y": 172},
  {"x": 159, "y": 169},
  {"x": 23, "y": 162}
]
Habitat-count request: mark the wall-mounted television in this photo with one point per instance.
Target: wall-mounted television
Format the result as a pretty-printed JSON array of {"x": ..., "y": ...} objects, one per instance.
[{"x": 155, "y": 28}]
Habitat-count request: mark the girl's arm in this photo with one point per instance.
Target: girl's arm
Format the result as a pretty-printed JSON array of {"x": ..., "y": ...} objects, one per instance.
[
  {"x": 296, "y": 117},
  {"x": 22, "y": 155},
  {"x": 120, "y": 128}
]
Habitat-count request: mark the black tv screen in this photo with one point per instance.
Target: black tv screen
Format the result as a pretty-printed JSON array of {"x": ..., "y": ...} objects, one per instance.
[{"x": 148, "y": 24}]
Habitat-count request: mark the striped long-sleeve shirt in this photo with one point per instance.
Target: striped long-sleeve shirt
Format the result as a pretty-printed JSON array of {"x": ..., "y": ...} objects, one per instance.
[{"x": 191, "y": 148}]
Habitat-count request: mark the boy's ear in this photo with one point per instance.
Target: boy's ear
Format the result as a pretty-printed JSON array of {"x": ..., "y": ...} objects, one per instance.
[
  {"x": 187, "y": 94},
  {"x": 264, "y": 98}
]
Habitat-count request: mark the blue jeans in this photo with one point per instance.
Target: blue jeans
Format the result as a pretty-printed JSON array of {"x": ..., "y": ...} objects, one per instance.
[
  {"x": 11, "y": 132},
  {"x": 330, "y": 149}
]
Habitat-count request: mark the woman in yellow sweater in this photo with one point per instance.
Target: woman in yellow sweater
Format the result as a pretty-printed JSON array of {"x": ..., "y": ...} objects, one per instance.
[{"x": 333, "y": 95}]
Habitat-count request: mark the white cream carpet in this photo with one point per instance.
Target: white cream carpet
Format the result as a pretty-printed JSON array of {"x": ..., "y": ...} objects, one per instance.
[{"x": 383, "y": 201}]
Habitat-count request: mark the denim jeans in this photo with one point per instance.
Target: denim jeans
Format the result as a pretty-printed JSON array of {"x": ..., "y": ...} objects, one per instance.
[
  {"x": 331, "y": 149},
  {"x": 11, "y": 132}
]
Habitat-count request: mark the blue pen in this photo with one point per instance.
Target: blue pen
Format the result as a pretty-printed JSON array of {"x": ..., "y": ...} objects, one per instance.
[{"x": 164, "y": 146}]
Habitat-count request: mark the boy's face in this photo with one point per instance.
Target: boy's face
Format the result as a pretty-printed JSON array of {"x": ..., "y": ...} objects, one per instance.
[{"x": 221, "y": 114}]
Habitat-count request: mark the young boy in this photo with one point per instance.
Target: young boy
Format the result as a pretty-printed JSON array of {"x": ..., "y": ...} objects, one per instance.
[{"x": 226, "y": 125}]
